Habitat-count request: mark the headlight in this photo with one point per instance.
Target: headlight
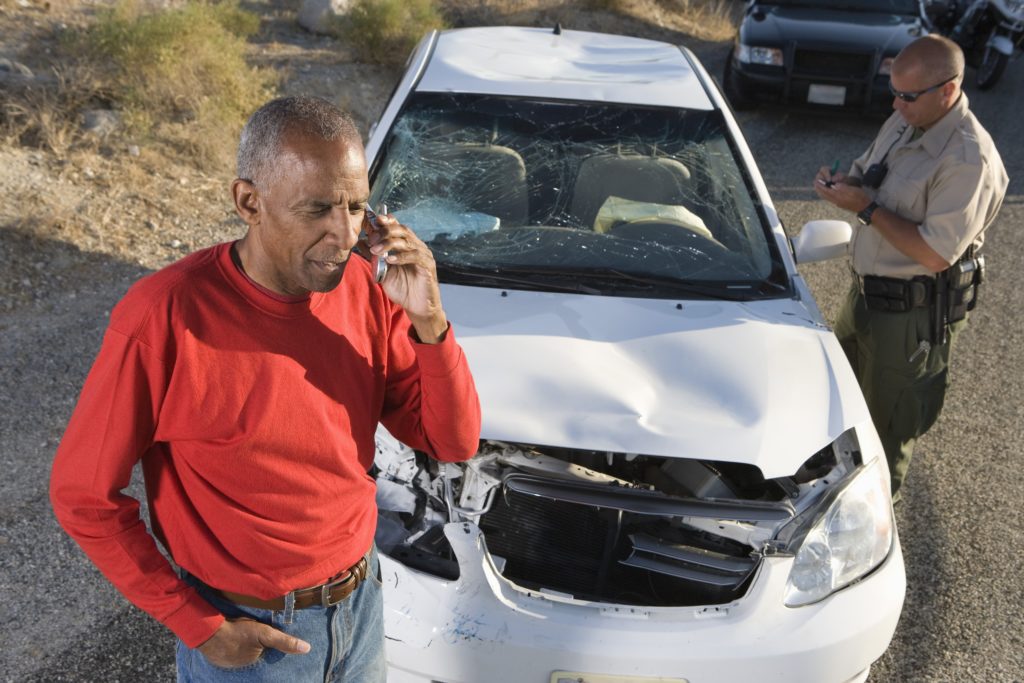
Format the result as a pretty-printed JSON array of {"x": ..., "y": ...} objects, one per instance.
[
  {"x": 850, "y": 539},
  {"x": 885, "y": 68},
  {"x": 771, "y": 56}
]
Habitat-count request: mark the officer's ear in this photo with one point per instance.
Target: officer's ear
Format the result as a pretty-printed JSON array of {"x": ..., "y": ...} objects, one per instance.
[
  {"x": 246, "y": 198},
  {"x": 951, "y": 90}
]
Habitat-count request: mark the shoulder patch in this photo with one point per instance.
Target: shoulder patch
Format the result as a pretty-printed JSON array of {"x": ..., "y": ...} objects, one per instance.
[{"x": 972, "y": 146}]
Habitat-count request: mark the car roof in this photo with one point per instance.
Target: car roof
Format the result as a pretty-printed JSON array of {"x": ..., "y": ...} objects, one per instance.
[{"x": 571, "y": 65}]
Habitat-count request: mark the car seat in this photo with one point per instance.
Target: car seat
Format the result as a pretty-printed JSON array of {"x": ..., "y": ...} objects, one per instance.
[
  {"x": 481, "y": 177},
  {"x": 635, "y": 177}
]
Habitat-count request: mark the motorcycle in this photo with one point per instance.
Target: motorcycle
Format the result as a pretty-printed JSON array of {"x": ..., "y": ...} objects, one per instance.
[{"x": 988, "y": 31}]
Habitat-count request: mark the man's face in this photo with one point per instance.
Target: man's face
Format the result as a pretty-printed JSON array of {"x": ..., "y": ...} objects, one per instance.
[
  {"x": 929, "y": 107},
  {"x": 310, "y": 215}
]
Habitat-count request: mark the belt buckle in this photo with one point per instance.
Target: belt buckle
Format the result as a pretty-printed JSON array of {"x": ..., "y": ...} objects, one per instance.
[{"x": 325, "y": 591}]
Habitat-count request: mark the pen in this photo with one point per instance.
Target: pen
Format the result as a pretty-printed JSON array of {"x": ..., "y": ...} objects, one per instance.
[{"x": 832, "y": 172}]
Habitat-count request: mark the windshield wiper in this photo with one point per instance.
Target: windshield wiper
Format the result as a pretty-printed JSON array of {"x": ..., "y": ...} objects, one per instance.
[
  {"x": 725, "y": 289},
  {"x": 476, "y": 275}
]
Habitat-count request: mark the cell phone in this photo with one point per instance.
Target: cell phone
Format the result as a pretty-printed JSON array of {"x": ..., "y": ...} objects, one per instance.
[{"x": 378, "y": 263}]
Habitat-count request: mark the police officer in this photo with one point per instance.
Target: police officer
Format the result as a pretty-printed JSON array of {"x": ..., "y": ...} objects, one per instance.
[{"x": 924, "y": 192}]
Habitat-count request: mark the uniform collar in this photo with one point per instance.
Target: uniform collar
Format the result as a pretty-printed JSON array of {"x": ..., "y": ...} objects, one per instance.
[{"x": 936, "y": 138}]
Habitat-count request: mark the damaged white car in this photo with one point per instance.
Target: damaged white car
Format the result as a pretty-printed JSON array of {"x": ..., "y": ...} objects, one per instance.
[{"x": 678, "y": 479}]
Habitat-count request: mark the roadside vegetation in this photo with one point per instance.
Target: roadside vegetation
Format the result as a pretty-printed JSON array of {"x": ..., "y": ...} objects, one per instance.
[
  {"x": 386, "y": 31},
  {"x": 179, "y": 74},
  {"x": 175, "y": 77}
]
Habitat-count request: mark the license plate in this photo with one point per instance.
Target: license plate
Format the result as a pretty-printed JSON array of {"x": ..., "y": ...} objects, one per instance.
[
  {"x": 826, "y": 94},
  {"x": 580, "y": 677}
]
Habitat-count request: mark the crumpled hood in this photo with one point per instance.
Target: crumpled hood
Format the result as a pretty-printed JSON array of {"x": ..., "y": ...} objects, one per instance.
[{"x": 753, "y": 382}]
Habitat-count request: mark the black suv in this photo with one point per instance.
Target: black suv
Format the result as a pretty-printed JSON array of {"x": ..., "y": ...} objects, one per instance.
[{"x": 820, "y": 53}]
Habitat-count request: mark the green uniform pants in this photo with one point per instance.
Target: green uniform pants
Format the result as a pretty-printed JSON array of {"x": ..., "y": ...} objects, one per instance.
[{"x": 903, "y": 377}]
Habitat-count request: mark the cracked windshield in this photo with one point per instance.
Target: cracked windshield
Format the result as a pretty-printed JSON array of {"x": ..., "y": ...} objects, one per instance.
[{"x": 592, "y": 198}]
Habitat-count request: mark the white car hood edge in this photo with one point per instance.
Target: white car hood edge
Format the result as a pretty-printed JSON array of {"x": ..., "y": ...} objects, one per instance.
[{"x": 755, "y": 382}]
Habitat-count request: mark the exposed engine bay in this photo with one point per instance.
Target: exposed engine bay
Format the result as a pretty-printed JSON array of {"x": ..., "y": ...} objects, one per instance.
[{"x": 607, "y": 527}]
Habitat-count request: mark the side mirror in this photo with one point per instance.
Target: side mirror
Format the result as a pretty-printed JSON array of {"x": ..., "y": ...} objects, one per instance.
[{"x": 821, "y": 240}]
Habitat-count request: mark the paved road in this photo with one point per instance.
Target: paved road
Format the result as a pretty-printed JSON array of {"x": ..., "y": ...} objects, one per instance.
[{"x": 960, "y": 522}]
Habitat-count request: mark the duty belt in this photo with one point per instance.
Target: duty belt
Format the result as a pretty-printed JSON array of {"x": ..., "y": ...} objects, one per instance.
[{"x": 897, "y": 295}]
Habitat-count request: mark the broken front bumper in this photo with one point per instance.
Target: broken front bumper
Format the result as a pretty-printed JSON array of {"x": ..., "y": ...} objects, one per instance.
[{"x": 483, "y": 628}]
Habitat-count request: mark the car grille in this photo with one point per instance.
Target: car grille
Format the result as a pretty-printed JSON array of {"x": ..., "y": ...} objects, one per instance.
[
  {"x": 604, "y": 554},
  {"x": 833, "y": 64}
]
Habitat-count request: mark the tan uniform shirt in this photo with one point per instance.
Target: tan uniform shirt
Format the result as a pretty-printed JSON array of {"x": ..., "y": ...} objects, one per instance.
[{"x": 950, "y": 181}]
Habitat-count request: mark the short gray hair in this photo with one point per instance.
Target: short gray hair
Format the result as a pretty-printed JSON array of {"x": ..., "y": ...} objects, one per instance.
[{"x": 260, "y": 143}]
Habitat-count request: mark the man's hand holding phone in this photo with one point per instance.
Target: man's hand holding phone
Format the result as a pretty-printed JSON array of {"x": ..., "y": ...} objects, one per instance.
[
  {"x": 378, "y": 263},
  {"x": 409, "y": 276}
]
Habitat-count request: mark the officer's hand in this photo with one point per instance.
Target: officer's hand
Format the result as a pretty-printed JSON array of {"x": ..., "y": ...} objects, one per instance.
[
  {"x": 240, "y": 642},
  {"x": 826, "y": 176},
  {"x": 845, "y": 196}
]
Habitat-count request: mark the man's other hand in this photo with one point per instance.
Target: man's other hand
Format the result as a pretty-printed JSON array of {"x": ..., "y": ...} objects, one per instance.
[{"x": 240, "y": 642}]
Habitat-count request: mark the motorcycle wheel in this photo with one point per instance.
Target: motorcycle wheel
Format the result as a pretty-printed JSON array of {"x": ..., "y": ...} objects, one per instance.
[{"x": 993, "y": 62}]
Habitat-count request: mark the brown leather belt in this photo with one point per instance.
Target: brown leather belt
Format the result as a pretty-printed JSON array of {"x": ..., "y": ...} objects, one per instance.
[{"x": 327, "y": 594}]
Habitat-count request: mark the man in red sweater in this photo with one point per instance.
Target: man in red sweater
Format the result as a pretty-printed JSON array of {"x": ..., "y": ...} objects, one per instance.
[{"x": 249, "y": 379}]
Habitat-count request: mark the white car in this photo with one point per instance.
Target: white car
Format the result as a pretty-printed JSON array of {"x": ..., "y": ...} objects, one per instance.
[{"x": 678, "y": 479}]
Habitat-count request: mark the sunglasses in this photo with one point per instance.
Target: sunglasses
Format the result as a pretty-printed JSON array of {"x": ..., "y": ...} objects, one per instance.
[{"x": 912, "y": 96}]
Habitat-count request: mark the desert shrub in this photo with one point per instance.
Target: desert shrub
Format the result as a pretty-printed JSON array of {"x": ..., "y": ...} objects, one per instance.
[
  {"x": 607, "y": 5},
  {"x": 42, "y": 112},
  {"x": 386, "y": 31},
  {"x": 178, "y": 74}
]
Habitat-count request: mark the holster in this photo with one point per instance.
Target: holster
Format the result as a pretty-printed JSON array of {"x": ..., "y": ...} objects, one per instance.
[{"x": 949, "y": 295}]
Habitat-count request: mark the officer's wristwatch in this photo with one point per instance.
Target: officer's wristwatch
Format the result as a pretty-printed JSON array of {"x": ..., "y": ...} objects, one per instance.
[{"x": 865, "y": 215}]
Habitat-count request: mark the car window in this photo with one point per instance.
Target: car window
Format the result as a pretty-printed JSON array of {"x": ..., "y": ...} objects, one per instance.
[
  {"x": 893, "y": 6},
  {"x": 595, "y": 197}
]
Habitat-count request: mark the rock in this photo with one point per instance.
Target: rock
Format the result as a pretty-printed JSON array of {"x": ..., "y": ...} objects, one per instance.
[
  {"x": 100, "y": 122},
  {"x": 133, "y": 150},
  {"x": 17, "y": 68},
  {"x": 318, "y": 15}
]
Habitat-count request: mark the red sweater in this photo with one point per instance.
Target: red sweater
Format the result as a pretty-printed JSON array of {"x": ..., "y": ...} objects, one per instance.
[{"x": 254, "y": 420}]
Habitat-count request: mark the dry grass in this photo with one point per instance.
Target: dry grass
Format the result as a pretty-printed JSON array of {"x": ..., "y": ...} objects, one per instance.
[
  {"x": 179, "y": 74},
  {"x": 38, "y": 115},
  {"x": 712, "y": 20},
  {"x": 386, "y": 31},
  {"x": 177, "y": 78}
]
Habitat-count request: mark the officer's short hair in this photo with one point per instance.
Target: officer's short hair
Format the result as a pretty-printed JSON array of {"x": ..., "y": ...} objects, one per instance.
[{"x": 938, "y": 56}]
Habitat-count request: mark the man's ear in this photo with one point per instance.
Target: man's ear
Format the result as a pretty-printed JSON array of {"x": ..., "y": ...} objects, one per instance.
[
  {"x": 246, "y": 199},
  {"x": 951, "y": 91}
]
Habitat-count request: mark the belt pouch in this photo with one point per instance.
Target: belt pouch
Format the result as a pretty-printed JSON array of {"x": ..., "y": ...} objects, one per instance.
[{"x": 887, "y": 294}]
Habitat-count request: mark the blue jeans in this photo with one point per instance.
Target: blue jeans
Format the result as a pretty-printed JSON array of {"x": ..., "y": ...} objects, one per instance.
[{"x": 346, "y": 641}]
